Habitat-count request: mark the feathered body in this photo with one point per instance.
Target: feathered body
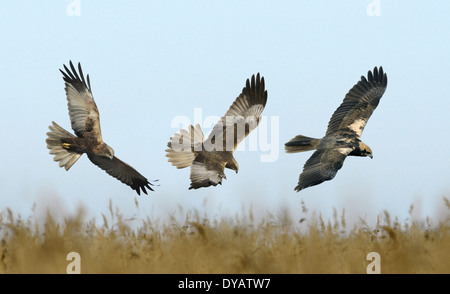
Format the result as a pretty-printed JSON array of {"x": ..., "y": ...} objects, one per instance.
[
  {"x": 209, "y": 158},
  {"x": 343, "y": 136},
  {"x": 85, "y": 121}
]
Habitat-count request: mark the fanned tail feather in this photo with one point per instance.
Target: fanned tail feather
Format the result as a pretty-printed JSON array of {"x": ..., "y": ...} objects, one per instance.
[
  {"x": 183, "y": 146},
  {"x": 66, "y": 158}
]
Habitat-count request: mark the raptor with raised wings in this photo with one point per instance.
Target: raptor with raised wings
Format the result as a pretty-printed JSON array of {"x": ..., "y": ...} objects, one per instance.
[
  {"x": 85, "y": 121},
  {"x": 209, "y": 158},
  {"x": 343, "y": 136}
]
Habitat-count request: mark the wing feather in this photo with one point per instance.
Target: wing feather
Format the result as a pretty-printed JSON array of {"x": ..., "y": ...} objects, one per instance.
[
  {"x": 122, "y": 171},
  {"x": 359, "y": 103},
  {"x": 205, "y": 175},
  {"x": 83, "y": 111},
  {"x": 242, "y": 117},
  {"x": 322, "y": 166}
]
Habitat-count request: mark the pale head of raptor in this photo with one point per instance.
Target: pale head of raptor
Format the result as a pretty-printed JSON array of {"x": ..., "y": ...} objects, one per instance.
[
  {"x": 233, "y": 165},
  {"x": 365, "y": 150}
]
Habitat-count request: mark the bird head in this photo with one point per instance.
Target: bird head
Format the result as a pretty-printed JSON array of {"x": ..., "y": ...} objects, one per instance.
[
  {"x": 233, "y": 165},
  {"x": 108, "y": 152},
  {"x": 365, "y": 150}
]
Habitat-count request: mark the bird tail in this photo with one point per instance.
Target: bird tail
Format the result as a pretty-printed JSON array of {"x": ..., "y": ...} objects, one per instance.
[
  {"x": 183, "y": 146},
  {"x": 301, "y": 143},
  {"x": 66, "y": 158}
]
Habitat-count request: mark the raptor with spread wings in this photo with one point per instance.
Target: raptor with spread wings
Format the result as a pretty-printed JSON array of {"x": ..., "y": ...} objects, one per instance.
[
  {"x": 343, "y": 136},
  {"x": 209, "y": 158},
  {"x": 85, "y": 121}
]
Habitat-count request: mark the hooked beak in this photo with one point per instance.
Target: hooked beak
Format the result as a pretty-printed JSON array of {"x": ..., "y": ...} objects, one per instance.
[{"x": 371, "y": 156}]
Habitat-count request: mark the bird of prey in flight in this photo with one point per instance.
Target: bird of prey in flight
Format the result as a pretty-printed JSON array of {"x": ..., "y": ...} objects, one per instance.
[
  {"x": 209, "y": 158},
  {"x": 85, "y": 121},
  {"x": 343, "y": 136}
]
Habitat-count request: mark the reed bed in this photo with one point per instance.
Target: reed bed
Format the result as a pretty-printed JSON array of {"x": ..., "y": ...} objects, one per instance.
[{"x": 275, "y": 245}]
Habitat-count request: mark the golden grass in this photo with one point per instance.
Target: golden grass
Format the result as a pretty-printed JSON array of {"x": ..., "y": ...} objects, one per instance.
[{"x": 274, "y": 245}]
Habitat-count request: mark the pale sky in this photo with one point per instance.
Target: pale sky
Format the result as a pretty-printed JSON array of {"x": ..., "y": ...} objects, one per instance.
[{"x": 154, "y": 62}]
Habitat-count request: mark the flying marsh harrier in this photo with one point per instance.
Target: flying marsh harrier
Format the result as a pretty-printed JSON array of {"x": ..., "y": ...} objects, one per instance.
[
  {"x": 85, "y": 121},
  {"x": 209, "y": 158},
  {"x": 343, "y": 136}
]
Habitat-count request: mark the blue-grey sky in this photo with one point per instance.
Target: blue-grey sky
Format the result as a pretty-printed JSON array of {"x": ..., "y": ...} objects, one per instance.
[{"x": 153, "y": 61}]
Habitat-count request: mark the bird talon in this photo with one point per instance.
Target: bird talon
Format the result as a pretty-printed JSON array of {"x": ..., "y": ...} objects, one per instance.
[{"x": 65, "y": 145}]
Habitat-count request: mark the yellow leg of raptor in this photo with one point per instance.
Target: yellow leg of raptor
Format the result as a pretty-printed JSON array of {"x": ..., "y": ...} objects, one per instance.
[{"x": 65, "y": 145}]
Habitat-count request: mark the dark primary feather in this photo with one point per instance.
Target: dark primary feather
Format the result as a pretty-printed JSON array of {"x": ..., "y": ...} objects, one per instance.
[
  {"x": 322, "y": 166},
  {"x": 122, "y": 171},
  {"x": 78, "y": 81},
  {"x": 360, "y": 101}
]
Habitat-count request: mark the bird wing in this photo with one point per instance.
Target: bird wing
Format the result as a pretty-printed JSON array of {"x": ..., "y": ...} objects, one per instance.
[
  {"x": 122, "y": 171},
  {"x": 206, "y": 174},
  {"x": 242, "y": 117},
  {"x": 83, "y": 111},
  {"x": 322, "y": 166},
  {"x": 359, "y": 103}
]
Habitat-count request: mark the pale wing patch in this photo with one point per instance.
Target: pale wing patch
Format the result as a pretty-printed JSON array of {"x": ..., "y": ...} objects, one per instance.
[
  {"x": 253, "y": 113},
  {"x": 345, "y": 151},
  {"x": 239, "y": 107},
  {"x": 243, "y": 115},
  {"x": 82, "y": 109},
  {"x": 358, "y": 126}
]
